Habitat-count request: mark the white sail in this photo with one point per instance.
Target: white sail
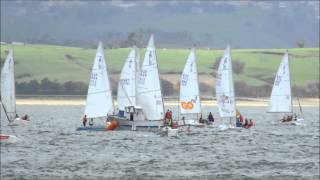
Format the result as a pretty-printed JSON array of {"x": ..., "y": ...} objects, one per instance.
[
  {"x": 280, "y": 100},
  {"x": 8, "y": 94},
  {"x": 127, "y": 83},
  {"x": 224, "y": 87},
  {"x": 190, "y": 102},
  {"x": 99, "y": 97},
  {"x": 149, "y": 90}
]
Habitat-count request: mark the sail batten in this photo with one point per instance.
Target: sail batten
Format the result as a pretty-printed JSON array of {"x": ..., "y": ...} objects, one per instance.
[
  {"x": 224, "y": 87},
  {"x": 149, "y": 89},
  {"x": 280, "y": 99},
  {"x": 8, "y": 94},
  {"x": 189, "y": 100},
  {"x": 99, "y": 97}
]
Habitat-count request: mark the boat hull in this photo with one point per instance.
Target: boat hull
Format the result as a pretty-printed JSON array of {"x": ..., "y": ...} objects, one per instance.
[
  {"x": 4, "y": 138},
  {"x": 137, "y": 124}
]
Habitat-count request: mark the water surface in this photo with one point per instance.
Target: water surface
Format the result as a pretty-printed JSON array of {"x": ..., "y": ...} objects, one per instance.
[{"x": 50, "y": 148}]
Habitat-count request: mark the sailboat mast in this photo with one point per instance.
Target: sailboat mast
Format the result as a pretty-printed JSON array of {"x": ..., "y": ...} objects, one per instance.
[
  {"x": 135, "y": 72},
  {"x": 198, "y": 84},
  {"x": 159, "y": 81},
  {"x": 300, "y": 108},
  {"x": 290, "y": 81},
  {"x": 14, "y": 84}
]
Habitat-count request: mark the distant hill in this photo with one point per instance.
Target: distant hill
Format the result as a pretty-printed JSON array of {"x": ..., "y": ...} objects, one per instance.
[
  {"x": 244, "y": 24},
  {"x": 74, "y": 64}
]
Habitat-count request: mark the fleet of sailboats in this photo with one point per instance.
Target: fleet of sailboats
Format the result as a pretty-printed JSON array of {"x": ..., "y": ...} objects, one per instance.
[{"x": 140, "y": 101}]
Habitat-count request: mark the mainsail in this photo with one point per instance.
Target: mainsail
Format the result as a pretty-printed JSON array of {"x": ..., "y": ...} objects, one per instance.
[
  {"x": 99, "y": 98},
  {"x": 149, "y": 89},
  {"x": 8, "y": 94},
  {"x": 224, "y": 87},
  {"x": 280, "y": 100},
  {"x": 127, "y": 83},
  {"x": 190, "y": 102}
]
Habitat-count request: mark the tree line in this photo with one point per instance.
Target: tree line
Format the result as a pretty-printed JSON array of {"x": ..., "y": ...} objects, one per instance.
[{"x": 49, "y": 87}]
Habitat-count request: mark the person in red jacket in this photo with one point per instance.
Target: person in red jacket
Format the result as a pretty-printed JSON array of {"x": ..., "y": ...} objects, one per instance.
[{"x": 250, "y": 124}]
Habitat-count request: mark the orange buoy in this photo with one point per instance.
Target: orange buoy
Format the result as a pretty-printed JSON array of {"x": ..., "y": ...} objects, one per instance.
[{"x": 113, "y": 125}]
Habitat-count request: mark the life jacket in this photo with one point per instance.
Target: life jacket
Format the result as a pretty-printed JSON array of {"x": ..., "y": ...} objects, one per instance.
[
  {"x": 167, "y": 115},
  {"x": 241, "y": 118},
  {"x": 250, "y": 124},
  {"x": 170, "y": 115}
]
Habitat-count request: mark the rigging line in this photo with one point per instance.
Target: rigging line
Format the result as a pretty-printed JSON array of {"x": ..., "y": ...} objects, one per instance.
[{"x": 12, "y": 129}]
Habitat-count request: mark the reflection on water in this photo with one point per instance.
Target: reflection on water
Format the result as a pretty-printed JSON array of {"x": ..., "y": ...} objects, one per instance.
[{"x": 50, "y": 148}]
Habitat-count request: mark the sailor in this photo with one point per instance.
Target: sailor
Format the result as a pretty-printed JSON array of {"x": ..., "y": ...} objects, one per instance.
[
  {"x": 25, "y": 117},
  {"x": 84, "y": 120},
  {"x": 91, "y": 122},
  {"x": 170, "y": 123},
  {"x": 170, "y": 115},
  {"x": 200, "y": 119},
  {"x": 238, "y": 123},
  {"x": 295, "y": 117},
  {"x": 166, "y": 117},
  {"x": 131, "y": 116},
  {"x": 174, "y": 125},
  {"x": 17, "y": 116},
  {"x": 183, "y": 120},
  {"x": 250, "y": 124},
  {"x": 210, "y": 117},
  {"x": 245, "y": 123}
]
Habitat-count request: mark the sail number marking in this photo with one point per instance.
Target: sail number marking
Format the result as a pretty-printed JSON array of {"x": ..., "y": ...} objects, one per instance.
[
  {"x": 184, "y": 79},
  {"x": 187, "y": 105},
  {"x": 93, "y": 79},
  {"x": 142, "y": 77}
]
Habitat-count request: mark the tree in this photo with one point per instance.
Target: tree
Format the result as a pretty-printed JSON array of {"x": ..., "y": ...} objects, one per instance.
[{"x": 167, "y": 88}]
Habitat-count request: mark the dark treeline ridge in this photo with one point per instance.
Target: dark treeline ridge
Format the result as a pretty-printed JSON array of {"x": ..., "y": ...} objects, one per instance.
[{"x": 48, "y": 87}]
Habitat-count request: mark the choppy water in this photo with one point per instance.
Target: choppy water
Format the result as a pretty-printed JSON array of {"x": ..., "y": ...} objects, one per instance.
[{"x": 50, "y": 148}]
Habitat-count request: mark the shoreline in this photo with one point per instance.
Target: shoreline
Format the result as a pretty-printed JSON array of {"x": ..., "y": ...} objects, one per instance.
[{"x": 248, "y": 102}]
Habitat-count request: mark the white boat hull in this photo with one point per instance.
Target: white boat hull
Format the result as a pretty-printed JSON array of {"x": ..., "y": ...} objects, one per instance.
[
  {"x": 18, "y": 121},
  {"x": 138, "y": 123},
  {"x": 8, "y": 139},
  {"x": 168, "y": 131}
]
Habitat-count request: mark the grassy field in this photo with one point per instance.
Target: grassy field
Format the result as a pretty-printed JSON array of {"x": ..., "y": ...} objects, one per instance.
[{"x": 73, "y": 64}]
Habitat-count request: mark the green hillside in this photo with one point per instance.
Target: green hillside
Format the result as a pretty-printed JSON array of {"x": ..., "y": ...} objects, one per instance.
[{"x": 73, "y": 64}]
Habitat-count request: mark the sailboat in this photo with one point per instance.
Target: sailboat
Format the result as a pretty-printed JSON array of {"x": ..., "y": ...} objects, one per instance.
[
  {"x": 99, "y": 102},
  {"x": 189, "y": 100},
  {"x": 8, "y": 93},
  {"x": 127, "y": 91},
  {"x": 281, "y": 98},
  {"x": 147, "y": 110},
  {"x": 225, "y": 88}
]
